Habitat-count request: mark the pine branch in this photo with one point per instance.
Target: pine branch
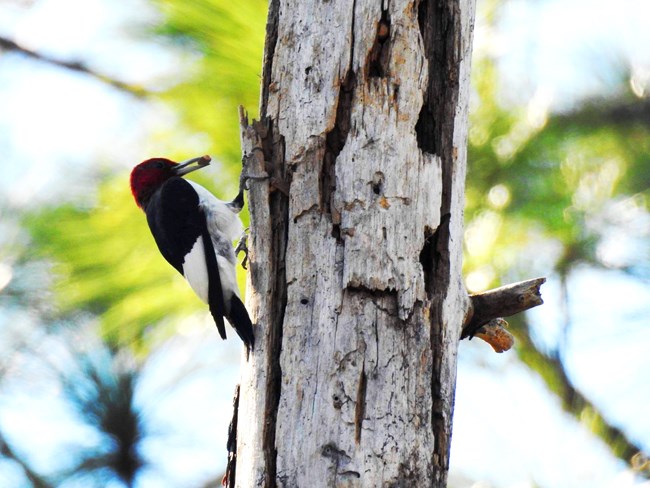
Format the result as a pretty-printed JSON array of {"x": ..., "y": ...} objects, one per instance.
[
  {"x": 604, "y": 113},
  {"x": 77, "y": 66},
  {"x": 551, "y": 370}
]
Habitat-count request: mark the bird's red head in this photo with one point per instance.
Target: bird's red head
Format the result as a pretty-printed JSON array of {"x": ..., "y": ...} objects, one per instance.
[{"x": 149, "y": 175}]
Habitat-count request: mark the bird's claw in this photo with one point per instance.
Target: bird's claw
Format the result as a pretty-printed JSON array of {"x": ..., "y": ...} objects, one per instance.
[
  {"x": 243, "y": 247},
  {"x": 244, "y": 178}
]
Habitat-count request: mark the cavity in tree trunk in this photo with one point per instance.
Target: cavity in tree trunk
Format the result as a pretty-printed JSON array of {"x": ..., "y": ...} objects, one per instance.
[{"x": 355, "y": 263}]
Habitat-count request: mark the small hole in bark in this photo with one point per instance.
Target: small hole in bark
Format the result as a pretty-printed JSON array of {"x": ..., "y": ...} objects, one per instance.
[
  {"x": 337, "y": 402},
  {"x": 378, "y": 183},
  {"x": 304, "y": 301}
]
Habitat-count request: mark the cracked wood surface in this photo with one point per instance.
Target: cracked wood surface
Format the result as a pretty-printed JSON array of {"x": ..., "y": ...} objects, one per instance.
[{"x": 367, "y": 328}]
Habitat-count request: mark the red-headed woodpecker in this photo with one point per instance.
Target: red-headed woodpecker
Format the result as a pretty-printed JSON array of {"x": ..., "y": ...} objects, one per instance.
[{"x": 194, "y": 232}]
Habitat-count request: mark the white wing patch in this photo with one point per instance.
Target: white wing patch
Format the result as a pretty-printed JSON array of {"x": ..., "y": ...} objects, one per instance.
[
  {"x": 195, "y": 272},
  {"x": 228, "y": 279},
  {"x": 221, "y": 219}
]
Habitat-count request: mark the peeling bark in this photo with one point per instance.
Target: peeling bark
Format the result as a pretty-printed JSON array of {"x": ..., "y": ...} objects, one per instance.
[
  {"x": 261, "y": 376},
  {"x": 355, "y": 282}
]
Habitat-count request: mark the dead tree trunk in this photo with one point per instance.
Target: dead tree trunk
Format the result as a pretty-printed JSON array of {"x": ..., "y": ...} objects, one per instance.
[{"x": 355, "y": 282}]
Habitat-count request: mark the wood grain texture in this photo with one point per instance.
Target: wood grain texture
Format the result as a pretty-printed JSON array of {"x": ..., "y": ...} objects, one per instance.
[{"x": 373, "y": 299}]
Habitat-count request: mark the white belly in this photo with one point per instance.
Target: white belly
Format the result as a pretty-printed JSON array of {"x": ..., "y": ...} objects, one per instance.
[{"x": 195, "y": 272}]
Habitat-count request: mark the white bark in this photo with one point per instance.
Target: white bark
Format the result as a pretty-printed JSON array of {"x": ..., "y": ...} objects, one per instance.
[{"x": 368, "y": 333}]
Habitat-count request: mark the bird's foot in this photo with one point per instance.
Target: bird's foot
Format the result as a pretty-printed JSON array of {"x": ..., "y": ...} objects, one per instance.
[
  {"x": 242, "y": 246},
  {"x": 244, "y": 179},
  {"x": 238, "y": 202}
]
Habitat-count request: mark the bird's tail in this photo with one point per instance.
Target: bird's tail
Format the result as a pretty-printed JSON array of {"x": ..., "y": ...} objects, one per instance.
[{"x": 241, "y": 322}]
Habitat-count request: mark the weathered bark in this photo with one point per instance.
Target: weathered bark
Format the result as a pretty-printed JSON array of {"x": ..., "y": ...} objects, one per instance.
[{"x": 355, "y": 260}]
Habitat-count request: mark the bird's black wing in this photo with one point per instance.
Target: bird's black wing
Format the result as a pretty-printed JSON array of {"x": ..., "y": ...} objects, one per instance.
[
  {"x": 177, "y": 222},
  {"x": 241, "y": 322}
]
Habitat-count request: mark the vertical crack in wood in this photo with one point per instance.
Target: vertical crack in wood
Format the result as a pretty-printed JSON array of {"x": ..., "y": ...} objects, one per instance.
[
  {"x": 360, "y": 407},
  {"x": 379, "y": 56},
  {"x": 335, "y": 140},
  {"x": 427, "y": 259},
  {"x": 274, "y": 158},
  {"x": 231, "y": 444},
  {"x": 279, "y": 212},
  {"x": 440, "y": 26},
  {"x": 442, "y": 410},
  {"x": 270, "y": 42}
]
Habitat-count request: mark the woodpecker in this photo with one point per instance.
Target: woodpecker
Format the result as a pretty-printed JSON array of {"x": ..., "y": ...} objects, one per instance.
[{"x": 194, "y": 232}]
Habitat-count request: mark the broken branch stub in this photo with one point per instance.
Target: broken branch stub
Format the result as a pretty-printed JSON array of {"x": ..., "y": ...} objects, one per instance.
[{"x": 501, "y": 302}]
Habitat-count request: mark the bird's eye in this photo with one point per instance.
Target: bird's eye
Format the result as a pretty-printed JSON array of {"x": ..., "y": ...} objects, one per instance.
[{"x": 159, "y": 165}]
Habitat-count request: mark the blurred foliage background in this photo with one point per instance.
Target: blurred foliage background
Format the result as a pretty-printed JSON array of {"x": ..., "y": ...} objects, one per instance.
[{"x": 111, "y": 373}]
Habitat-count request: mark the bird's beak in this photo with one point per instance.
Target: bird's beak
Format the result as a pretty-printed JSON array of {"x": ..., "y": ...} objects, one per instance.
[{"x": 188, "y": 166}]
